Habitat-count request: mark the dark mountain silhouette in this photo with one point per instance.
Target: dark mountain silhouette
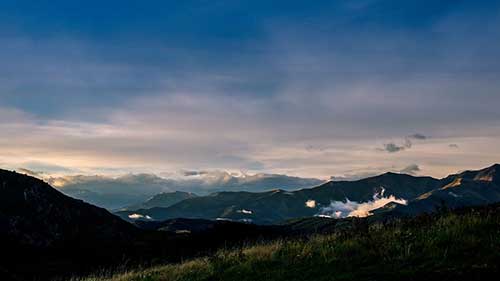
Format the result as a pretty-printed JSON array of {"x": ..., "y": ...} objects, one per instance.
[{"x": 35, "y": 218}]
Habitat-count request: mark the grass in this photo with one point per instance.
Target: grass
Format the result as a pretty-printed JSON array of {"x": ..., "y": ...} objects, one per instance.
[{"x": 445, "y": 247}]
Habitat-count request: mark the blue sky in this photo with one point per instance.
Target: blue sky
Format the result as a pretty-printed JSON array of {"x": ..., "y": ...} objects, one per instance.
[{"x": 310, "y": 89}]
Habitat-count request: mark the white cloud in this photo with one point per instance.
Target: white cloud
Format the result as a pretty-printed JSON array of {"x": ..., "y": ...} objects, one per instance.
[
  {"x": 311, "y": 204},
  {"x": 339, "y": 209},
  {"x": 139, "y": 216}
]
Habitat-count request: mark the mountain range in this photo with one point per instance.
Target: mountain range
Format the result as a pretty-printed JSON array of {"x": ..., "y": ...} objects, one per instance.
[
  {"x": 388, "y": 194},
  {"x": 45, "y": 234},
  {"x": 133, "y": 189},
  {"x": 162, "y": 200}
]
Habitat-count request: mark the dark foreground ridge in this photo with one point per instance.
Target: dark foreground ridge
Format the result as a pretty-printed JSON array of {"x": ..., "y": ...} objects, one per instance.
[
  {"x": 462, "y": 244},
  {"x": 44, "y": 234}
]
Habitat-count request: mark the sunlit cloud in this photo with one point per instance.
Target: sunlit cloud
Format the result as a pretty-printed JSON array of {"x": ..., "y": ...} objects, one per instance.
[
  {"x": 293, "y": 99},
  {"x": 348, "y": 208}
]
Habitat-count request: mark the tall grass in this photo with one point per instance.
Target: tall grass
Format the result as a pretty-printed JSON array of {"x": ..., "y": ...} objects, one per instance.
[{"x": 449, "y": 246}]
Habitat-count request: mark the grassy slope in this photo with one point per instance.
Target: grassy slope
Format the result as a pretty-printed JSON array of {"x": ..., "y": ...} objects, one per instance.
[{"x": 450, "y": 246}]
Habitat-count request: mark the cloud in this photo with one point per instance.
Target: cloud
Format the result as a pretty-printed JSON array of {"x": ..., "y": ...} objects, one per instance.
[
  {"x": 407, "y": 144},
  {"x": 356, "y": 176},
  {"x": 47, "y": 167},
  {"x": 411, "y": 169},
  {"x": 193, "y": 173},
  {"x": 392, "y": 147},
  {"x": 139, "y": 216},
  {"x": 367, "y": 173},
  {"x": 246, "y": 212},
  {"x": 311, "y": 204},
  {"x": 339, "y": 209},
  {"x": 418, "y": 137},
  {"x": 30, "y": 173}
]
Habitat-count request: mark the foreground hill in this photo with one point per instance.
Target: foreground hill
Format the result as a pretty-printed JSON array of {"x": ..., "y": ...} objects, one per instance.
[
  {"x": 38, "y": 223},
  {"x": 459, "y": 245}
]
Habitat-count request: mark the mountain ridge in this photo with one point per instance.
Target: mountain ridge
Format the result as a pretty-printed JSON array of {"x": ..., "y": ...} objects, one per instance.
[{"x": 275, "y": 206}]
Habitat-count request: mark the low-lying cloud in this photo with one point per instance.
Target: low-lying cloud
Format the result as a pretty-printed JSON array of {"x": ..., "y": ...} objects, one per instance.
[
  {"x": 311, "y": 204},
  {"x": 340, "y": 209},
  {"x": 139, "y": 216}
]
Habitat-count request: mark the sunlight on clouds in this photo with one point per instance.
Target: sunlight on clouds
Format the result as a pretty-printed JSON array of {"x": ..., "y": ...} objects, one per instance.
[
  {"x": 348, "y": 208},
  {"x": 157, "y": 140}
]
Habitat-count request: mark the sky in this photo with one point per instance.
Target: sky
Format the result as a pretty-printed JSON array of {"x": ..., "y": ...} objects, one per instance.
[{"x": 320, "y": 89}]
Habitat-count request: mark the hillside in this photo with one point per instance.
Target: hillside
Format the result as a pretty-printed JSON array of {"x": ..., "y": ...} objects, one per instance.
[
  {"x": 470, "y": 188},
  {"x": 459, "y": 245},
  {"x": 39, "y": 225}
]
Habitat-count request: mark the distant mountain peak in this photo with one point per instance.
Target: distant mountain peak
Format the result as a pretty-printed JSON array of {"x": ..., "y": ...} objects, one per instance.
[
  {"x": 164, "y": 199},
  {"x": 489, "y": 174}
]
